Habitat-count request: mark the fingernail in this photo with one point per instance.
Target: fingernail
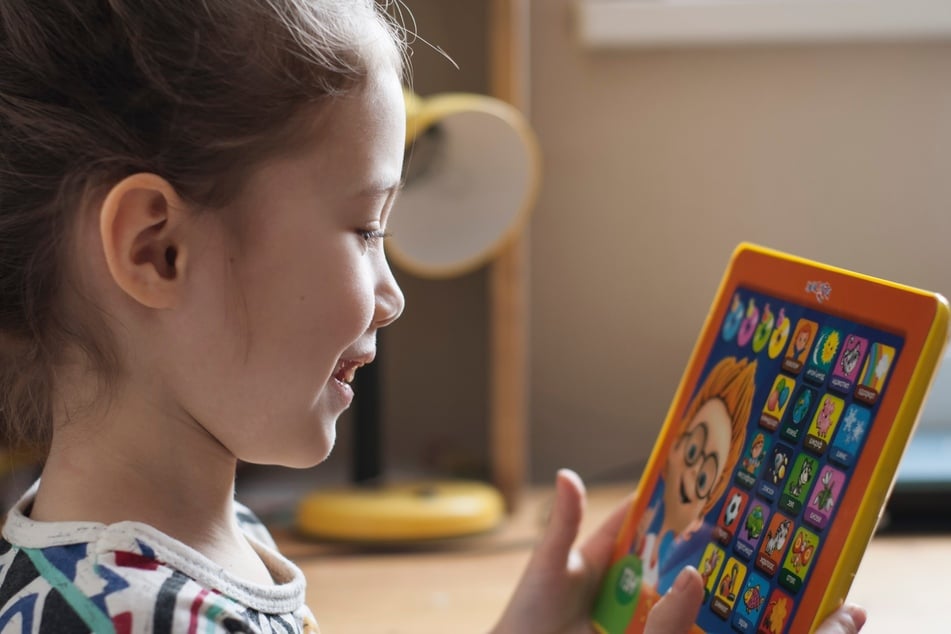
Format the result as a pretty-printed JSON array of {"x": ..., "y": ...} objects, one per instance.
[
  {"x": 858, "y": 614},
  {"x": 682, "y": 580}
]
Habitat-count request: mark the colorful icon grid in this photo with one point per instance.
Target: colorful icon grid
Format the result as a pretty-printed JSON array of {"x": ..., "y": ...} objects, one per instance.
[{"x": 819, "y": 382}]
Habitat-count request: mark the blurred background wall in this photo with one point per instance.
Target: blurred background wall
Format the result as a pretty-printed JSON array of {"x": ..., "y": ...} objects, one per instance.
[{"x": 657, "y": 163}]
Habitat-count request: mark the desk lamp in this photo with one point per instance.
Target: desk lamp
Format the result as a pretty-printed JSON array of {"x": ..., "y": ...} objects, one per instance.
[{"x": 472, "y": 175}]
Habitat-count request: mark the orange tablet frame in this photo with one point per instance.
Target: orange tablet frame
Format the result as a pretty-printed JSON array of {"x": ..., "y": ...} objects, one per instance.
[{"x": 919, "y": 317}]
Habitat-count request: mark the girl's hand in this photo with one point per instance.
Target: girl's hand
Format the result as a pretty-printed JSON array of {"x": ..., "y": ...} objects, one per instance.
[{"x": 557, "y": 590}]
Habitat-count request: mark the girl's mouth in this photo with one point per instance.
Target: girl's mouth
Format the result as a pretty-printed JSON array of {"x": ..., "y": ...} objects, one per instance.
[{"x": 346, "y": 371}]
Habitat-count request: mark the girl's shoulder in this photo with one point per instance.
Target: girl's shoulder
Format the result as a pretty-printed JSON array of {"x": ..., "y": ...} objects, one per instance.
[{"x": 128, "y": 577}]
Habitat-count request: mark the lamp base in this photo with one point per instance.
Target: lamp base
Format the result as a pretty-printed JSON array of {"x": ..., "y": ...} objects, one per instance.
[{"x": 404, "y": 512}]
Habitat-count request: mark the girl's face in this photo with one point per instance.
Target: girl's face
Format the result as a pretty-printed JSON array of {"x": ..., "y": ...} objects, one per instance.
[
  {"x": 695, "y": 464},
  {"x": 291, "y": 307}
]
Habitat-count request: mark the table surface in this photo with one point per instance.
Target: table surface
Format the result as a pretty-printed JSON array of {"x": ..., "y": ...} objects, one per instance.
[{"x": 462, "y": 585}]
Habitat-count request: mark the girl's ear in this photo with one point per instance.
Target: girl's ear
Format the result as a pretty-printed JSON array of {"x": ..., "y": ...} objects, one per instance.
[{"x": 140, "y": 225}]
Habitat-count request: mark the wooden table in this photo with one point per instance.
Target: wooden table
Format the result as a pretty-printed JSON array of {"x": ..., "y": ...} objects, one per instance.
[{"x": 461, "y": 586}]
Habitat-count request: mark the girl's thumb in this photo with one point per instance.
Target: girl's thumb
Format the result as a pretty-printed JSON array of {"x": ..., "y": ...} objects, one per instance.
[
  {"x": 565, "y": 519},
  {"x": 677, "y": 611}
]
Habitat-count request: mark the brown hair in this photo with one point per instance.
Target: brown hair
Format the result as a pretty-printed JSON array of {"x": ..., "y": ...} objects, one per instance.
[
  {"x": 92, "y": 91},
  {"x": 733, "y": 382}
]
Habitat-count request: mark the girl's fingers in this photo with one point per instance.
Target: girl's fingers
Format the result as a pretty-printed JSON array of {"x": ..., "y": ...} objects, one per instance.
[
  {"x": 848, "y": 619},
  {"x": 677, "y": 611}
]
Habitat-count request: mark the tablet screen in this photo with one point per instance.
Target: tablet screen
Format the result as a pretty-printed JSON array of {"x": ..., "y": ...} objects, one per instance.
[
  {"x": 766, "y": 447},
  {"x": 777, "y": 455}
]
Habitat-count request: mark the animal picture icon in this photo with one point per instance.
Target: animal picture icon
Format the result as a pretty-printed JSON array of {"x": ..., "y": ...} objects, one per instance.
[
  {"x": 773, "y": 546},
  {"x": 751, "y": 602},
  {"x": 823, "y": 423},
  {"x": 755, "y": 521},
  {"x": 825, "y": 417},
  {"x": 801, "y": 552},
  {"x": 779, "y": 464},
  {"x": 847, "y": 366},
  {"x": 799, "y": 484},
  {"x": 752, "y": 529},
  {"x": 775, "y": 541}
]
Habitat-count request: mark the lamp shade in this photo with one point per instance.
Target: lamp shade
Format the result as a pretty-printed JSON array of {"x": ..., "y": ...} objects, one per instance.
[{"x": 473, "y": 171}]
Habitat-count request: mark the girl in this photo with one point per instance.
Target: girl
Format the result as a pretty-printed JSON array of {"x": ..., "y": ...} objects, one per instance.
[{"x": 193, "y": 197}]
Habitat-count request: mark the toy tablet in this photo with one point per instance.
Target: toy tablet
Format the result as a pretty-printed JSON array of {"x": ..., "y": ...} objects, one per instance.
[{"x": 780, "y": 448}]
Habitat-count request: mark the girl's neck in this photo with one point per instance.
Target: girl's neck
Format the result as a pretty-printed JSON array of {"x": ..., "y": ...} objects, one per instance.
[
  {"x": 134, "y": 463},
  {"x": 90, "y": 482}
]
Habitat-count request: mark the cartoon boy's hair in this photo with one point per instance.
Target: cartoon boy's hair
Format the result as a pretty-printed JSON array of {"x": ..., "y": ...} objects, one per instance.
[
  {"x": 198, "y": 92},
  {"x": 733, "y": 382}
]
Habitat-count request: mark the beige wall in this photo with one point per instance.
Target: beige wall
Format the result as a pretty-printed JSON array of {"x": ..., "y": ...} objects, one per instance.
[{"x": 658, "y": 162}]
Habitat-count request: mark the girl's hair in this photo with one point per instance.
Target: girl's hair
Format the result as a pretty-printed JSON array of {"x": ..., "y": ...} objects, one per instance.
[
  {"x": 733, "y": 382},
  {"x": 91, "y": 91}
]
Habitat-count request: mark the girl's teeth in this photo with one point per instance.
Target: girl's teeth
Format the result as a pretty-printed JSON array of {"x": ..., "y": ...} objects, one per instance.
[{"x": 346, "y": 372}]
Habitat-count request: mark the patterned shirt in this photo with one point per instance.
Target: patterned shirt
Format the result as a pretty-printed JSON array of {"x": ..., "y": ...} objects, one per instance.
[{"x": 71, "y": 577}]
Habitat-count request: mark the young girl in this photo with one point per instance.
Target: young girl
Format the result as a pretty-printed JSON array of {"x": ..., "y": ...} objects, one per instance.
[{"x": 193, "y": 197}]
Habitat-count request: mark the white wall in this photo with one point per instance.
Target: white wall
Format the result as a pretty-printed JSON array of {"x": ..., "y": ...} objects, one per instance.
[{"x": 658, "y": 162}]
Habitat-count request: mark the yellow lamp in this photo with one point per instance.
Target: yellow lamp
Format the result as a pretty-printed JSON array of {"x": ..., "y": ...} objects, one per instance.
[{"x": 472, "y": 176}]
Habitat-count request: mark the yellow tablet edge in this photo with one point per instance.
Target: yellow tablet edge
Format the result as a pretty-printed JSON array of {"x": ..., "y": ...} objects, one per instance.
[{"x": 883, "y": 477}]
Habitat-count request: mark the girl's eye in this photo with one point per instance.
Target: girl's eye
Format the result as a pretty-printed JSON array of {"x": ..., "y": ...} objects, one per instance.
[{"x": 372, "y": 235}]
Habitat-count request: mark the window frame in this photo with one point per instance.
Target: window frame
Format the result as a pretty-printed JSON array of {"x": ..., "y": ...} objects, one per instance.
[{"x": 671, "y": 23}]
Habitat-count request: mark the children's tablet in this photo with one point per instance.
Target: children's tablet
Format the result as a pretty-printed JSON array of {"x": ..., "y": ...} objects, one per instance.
[{"x": 781, "y": 445}]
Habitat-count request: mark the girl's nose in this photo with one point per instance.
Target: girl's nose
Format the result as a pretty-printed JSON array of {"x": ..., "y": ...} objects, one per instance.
[{"x": 389, "y": 299}]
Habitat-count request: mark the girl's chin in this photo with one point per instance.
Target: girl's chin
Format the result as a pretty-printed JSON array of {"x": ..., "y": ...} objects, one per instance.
[
  {"x": 303, "y": 457},
  {"x": 303, "y": 462},
  {"x": 300, "y": 448}
]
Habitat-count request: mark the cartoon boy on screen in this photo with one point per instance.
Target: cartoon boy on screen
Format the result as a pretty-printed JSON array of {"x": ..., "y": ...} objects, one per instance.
[{"x": 696, "y": 473}]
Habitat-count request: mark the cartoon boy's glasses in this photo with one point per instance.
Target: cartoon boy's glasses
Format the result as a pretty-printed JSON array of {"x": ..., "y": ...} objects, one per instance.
[{"x": 695, "y": 443}]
